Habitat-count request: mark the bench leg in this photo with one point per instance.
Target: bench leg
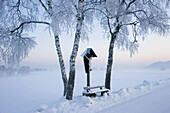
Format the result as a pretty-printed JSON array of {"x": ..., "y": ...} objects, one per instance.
[
  {"x": 107, "y": 93},
  {"x": 102, "y": 93}
]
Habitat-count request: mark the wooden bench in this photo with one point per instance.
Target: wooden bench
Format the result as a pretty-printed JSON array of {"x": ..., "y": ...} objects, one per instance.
[
  {"x": 88, "y": 88},
  {"x": 91, "y": 93}
]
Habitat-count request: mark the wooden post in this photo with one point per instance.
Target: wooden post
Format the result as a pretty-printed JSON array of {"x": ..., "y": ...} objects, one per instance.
[
  {"x": 88, "y": 79},
  {"x": 87, "y": 56}
]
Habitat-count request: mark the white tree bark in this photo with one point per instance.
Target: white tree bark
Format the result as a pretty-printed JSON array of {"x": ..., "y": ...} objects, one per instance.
[
  {"x": 111, "y": 52},
  {"x": 110, "y": 61},
  {"x": 61, "y": 61},
  {"x": 70, "y": 85},
  {"x": 57, "y": 44}
]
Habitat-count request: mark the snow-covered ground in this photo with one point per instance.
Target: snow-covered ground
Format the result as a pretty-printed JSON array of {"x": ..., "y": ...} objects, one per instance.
[
  {"x": 132, "y": 91},
  {"x": 154, "y": 101}
]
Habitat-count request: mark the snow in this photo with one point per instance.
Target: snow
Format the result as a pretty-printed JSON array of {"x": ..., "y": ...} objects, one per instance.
[
  {"x": 131, "y": 100},
  {"x": 41, "y": 92},
  {"x": 156, "y": 101},
  {"x": 24, "y": 94}
]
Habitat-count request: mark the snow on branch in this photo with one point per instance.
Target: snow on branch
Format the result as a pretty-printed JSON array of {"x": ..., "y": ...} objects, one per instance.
[
  {"x": 43, "y": 5},
  {"x": 144, "y": 16},
  {"x": 29, "y": 22}
]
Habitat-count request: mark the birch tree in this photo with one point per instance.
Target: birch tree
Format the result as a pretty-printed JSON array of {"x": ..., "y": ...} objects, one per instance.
[
  {"x": 120, "y": 18},
  {"x": 70, "y": 15},
  {"x": 58, "y": 15},
  {"x": 85, "y": 10},
  {"x": 19, "y": 17}
]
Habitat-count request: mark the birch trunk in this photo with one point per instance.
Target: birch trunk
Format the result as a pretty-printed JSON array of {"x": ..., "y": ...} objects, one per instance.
[
  {"x": 61, "y": 62},
  {"x": 109, "y": 62},
  {"x": 110, "y": 57},
  {"x": 70, "y": 84},
  {"x": 49, "y": 10}
]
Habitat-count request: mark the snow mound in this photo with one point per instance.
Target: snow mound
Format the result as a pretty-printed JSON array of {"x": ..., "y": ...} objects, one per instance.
[
  {"x": 41, "y": 108},
  {"x": 144, "y": 85},
  {"x": 82, "y": 104}
]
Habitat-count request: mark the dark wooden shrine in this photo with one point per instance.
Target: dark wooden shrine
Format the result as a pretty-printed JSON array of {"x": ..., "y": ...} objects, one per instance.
[{"x": 87, "y": 57}]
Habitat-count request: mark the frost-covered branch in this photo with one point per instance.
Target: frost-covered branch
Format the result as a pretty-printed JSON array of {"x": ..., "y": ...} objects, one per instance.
[
  {"x": 49, "y": 7},
  {"x": 93, "y": 2},
  {"x": 137, "y": 11},
  {"x": 144, "y": 16},
  {"x": 108, "y": 22},
  {"x": 29, "y": 22},
  {"x": 131, "y": 23},
  {"x": 99, "y": 10},
  {"x": 43, "y": 5},
  {"x": 17, "y": 50},
  {"x": 128, "y": 6}
]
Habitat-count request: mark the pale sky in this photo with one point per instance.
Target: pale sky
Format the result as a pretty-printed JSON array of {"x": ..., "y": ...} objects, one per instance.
[{"x": 154, "y": 48}]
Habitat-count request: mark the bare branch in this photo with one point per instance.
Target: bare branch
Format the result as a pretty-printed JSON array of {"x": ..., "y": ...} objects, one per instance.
[
  {"x": 29, "y": 22},
  {"x": 134, "y": 13},
  {"x": 108, "y": 22},
  {"x": 50, "y": 7},
  {"x": 75, "y": 6},
  {"x": 130, "y": 4},
  {"x": 43, "y": 5},
  {"x": 134, "y": 33},
  {"x": 94, "y": 2},
  {"x": 96, "y": 10},
  {"x": 132, "y": 23}
]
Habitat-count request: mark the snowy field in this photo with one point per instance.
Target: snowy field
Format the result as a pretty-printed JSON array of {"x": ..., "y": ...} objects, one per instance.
[{"x": 41, "y": 92}]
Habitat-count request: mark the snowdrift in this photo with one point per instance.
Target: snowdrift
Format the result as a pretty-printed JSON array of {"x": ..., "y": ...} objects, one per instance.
[{"x": 82, "y": 104}]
